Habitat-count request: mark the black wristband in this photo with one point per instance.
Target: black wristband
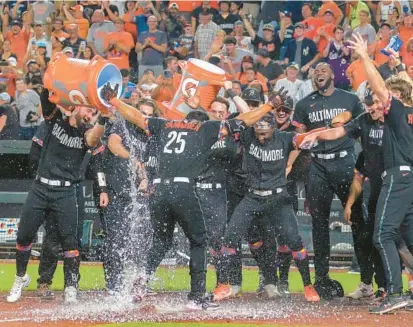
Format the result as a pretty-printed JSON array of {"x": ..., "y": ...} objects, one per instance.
[
  {"x": 400, "y": 68},
  {"x": 102, "y": 120},
  {"x": 231, "y": 93}
]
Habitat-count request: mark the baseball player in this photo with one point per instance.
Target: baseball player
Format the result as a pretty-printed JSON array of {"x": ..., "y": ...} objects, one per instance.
[
  {"x": 395, "y": 200},
  {"x": 55, "y": 192},
  {"x": 331, "y": 168},
  {"x": 266, "y": 154},
  {"x": 184, "y": 146},
  {"x": 369, "y": 128}
]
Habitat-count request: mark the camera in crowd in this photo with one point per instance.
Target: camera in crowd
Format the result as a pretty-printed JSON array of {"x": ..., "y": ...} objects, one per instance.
[{"x": 30, "y": 116}]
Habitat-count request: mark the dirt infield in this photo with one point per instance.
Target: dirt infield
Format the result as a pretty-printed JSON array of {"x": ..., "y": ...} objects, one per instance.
[{"x": 95, "y": 307}]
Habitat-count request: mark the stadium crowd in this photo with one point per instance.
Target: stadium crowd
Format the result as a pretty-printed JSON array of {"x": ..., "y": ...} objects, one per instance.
[{"x": 268, "y": 49}]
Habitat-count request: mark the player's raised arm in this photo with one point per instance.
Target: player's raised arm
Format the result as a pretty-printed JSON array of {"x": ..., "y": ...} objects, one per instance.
[{"x": 128, "y": 112}]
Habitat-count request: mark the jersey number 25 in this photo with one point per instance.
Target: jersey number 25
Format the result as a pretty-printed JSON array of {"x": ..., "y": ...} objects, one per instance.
[{"x": 175, "y": 142}]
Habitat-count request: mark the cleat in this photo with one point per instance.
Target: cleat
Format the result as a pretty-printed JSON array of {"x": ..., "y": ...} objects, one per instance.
[
  {"x": 226, "y": 291},
  {"x": 140, "y": 289},
  {"x": 391, "y": 303},
  {"x": 363, "y": 291},
  {"x": 16, "y": 290},
  {"x": 270, "y": 292},
  {"x": 70, "y": 294},
  {"x": 201, "y": 305},
  {"x": 379, "y": 295},
  {"x": 311, "y": 294},
  {"x": 44, "y": 292},
  {"x": 283, "y": 288}
]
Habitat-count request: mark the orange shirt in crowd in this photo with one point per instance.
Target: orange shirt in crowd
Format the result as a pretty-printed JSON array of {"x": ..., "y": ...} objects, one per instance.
[
  {"x": 18, "y": 44},
  {"x": 176, "y": 80},
  {"x": 83, "y": 25},
  {"x": 375, "y": 47},
  {"x": 356, "y": 73},
  {"x": 408, "y": 59},
  {"x": 329, "y": 29},
  {"x": 243, "y": 79},
  {"x": 187, "y": 6},
  {"x": 330, "y": 6},
  {"x": 10, "y": 81},
  {"x": 312, "y": 24},
  {"x": 118, "y": 57},
  {"x": 405, "y": 33},
  {"x": 130, "y": 26}
]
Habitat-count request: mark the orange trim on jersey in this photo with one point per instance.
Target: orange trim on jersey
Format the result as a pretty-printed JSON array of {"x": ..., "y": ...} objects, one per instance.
[
  {"x": 297, "y": 124},
  {"x": 256, "y": 245},
  {"x": 183, "y": 125},
  {"x": 71, "y": 254}
]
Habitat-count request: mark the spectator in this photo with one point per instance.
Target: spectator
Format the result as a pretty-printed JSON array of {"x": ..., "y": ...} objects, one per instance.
[
  {"x": 251, "y": 8},
  {"x": 196, "y": 14},
  {"x": 326, "y": 31},
  {"x": 232, "y": 56},
  {"x": 18, "y": 36},
  {"x": 9, "y": 124},
  {"x": 37, "y": 53},
  {"x": 302, "y": 51},
  {"x": 308, "y": 85},
  {"x": 408, "y": 54},
  {"x": 29, "y": 109},
  {"x": 270, "y": 14},
  {"x": 270, "y": 40},
  {"x": 147, "y": 82},
  {"x": 186, "y": 43},
  {"x": 153, "y": 45},
  {"x": 132, "y": 9},
  {"x": 286, "y": 32},
  {"x": 205, "y": 34},
  {"x": 42, "y": 10},
  {"x": 405, "y": 32},
  {"x": 165, "y": 91},
  {"x": 248, "y": 62},
  {"x": 8, "y": 75},
  {"x": 68, "y": 51},
  {"x": 382, "y": 41},
  {"x": 217, "y": 45},
  {"x": 142, "y": 21},
  {"x": 290, "y": 83},
  {"x": 271, "y": 70},
  {"x": 74, "y": 41},
  {"x": 385, "y": 10},
  {"x": 75, "y": 16},
  {"x": 354, "y": 13},
  {"x": 388, "y": 69},
  {"x": 33, "y": 70},
  {"x": 330, "y": 5},
  {"x": 127, "y": 85},
  {"x": 88, "y": 54},
  {"x": 171, "y": 23},
  {"x": 367, "y": 32},
  {"x": 172, "y": 67},
  {"x": 235, "y": 7},
  {"x": 111, "y": 12},
  {"x": 311, "y": 23},
  {"x": 135, "y": 96},
  {"x": 252, "y": 80},
  {"x": 236, "y": 88},
  {"x": 97, "y": 32},
  {"x": 338, "y": 56},
  {"x": 36, "y": 84},
  {"x": 43, "y": 35},
  {"x": 118, "y": 44},
  {"x": 58, "y": 35},
  {"x": 225, "y": 20},
  {"x": 356, "y": 73},
  {"x": 7, "y": 50},
  {"x": 243, "y": 42}
]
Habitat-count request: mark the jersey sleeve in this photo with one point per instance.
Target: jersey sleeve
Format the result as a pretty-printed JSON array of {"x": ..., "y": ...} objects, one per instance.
[
  {"x": 49, "y": 110},
  {"x": 357, "y": 109},
  {"x": 155, "y": 125},
  {"x": 118, "y": 128},
  {"x": 359, "y": 167},
  {"x": 289, "y": 141},
  {"x": 299, "y": 118},
  {"x": 247, "y": 136},
  {"x": 394, "y": 112}
]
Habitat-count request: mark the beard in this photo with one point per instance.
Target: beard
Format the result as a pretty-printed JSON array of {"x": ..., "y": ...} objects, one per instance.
[{"x": 326, "y": 85}]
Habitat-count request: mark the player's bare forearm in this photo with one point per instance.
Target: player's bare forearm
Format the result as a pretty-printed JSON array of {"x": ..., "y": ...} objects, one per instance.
[
  {"x": 376, "y": 82},
  {"x": 93, "y": 136},
  {"x": 129, "y": 113},
  {"x": 331, "y": 134},
  {"x": 115, "y": 146},
  {"x": 355, "y": 190},
  {"x": 251, "y": 117},
  {"x": 292, "y": 157},
  {"x": 241, "y": 105}
]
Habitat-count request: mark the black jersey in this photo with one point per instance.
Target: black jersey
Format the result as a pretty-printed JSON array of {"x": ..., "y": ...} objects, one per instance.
[
  {"x": 183, "y": 145},
  {"x": 360, "y": 164},
  {"x": 316, "y": 110},
  {"x": 266, "y": 163},
  {"x": 370, "y": 133},
  {"x": 219, "y": 161},
  {"x": 151, "y": 161},
  {"x": 398, "y": 136},
  {"x": 64, "y": 146},
  {"x": 227, "y": 23}
]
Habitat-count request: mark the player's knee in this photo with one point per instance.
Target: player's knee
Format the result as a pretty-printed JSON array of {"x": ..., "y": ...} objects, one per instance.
[
  {"x": 70, "y": 243},
  {"x": 23, "y": 247}
]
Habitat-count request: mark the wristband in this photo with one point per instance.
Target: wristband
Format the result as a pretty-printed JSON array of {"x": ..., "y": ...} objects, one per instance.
[
  {"x": 231, "y": 93},
  {"x": 400, "y": 68},
  {"x": 102, "y": 120}
]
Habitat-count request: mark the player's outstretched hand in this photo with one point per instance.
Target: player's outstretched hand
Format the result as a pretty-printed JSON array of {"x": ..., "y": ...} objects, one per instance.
[
  {"x": 308, "y": 142},
  {"x": 347, "y": 214},
  {"x": 107, "y": 93},
  {"x": 341, "y": 119},
  {"x": 279, "y": 98},
  {"x": 359, "y": 46}
]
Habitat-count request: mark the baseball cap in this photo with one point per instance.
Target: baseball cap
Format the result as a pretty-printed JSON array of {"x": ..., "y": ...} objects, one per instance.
[
  {"x": 266, "y": 122},
  {"x": 173, "y": 5},
  {"x": 16, "y": 22},
  {"x": 293, "y": 65},
  {"x": 268, "y": 27},
  {"x": 287, "y": 13},
  {"x": 329, "y": 11},
  {"x": 263, "y": 52},
  {"x": 41, "y": 44},
  {"x": 238, "y": 22},
  {"x": 68, "y": 49},
  {"x": 385, "y": 24},
  {"x": 5, "y": 97},
  {"x": 31, "y": 61},
  {"x": 248, "y": 59},
  {"x": 12, "y": 61},
  {"x": 299, "y": 25},
  {"x": 38, "y": 23},
  {"x": 119, "y": 20},
  {"x": 368, "y": 96},
  {"x": 77, "y": 8},
  {"x": 251, "y": 94}
]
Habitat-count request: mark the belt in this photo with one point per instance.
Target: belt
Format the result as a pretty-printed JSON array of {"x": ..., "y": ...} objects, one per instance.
[
  {"x": 328, "y": 156},
  {"x": 265, "y": 193},
  {"x": 52, "y": 182},
  {"x": 208, "y": 185},
  {"x": 171, "y": 180},
  {"x": 401, "y": 168}
]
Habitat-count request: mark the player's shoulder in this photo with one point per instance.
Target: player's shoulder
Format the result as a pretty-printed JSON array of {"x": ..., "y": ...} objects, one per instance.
[
  {"x": 309, "y": 98},
  {"x": 346, "y": 95}
]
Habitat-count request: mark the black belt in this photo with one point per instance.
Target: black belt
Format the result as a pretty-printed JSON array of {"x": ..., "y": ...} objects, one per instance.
[{"x": 51, "y": 182}]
